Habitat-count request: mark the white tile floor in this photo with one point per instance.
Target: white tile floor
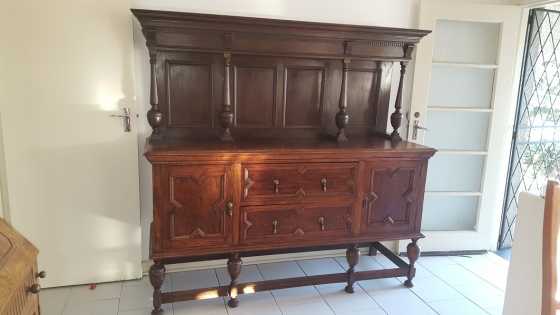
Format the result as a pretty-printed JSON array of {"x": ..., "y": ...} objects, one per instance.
[{"x": 467, "y": 285}]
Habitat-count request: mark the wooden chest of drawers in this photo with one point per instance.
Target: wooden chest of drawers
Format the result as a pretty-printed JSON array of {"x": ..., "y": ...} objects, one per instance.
[
  {"x": 18, "y": 274},
  {"x": 212, "y": 203}
]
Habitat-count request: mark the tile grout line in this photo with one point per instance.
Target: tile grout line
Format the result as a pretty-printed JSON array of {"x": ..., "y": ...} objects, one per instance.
[
  {"x": 270, "y": 292},
  {"x": 453, "y": 287},
  {"x": 315, "y": 287}
]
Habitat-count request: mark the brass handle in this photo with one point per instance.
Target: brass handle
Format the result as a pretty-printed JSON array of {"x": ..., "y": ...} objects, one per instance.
[
  {"x": 322, "y": 223},
  {"x": 389, "y": 220},
  {"x": 274, "y": 226},
  {"x": 324, "y": 184},
  {"x": 229, "y": 208},
  {"x": 41, "y": 274},
  {"x": 35, "y": 288},
  {"x": 276, "y": 183}
]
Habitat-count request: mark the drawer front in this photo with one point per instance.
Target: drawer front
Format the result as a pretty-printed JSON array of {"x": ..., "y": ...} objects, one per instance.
[
  {"x": 393, "y": 197},
  {"x": 265, "y": 224},
  {"x": 278, "y": 183}
]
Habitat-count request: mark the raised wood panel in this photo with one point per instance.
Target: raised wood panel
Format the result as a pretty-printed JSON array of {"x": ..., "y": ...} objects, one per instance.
[
  {"x": 189, "y": 94},
  {"x": 392, "y": 197},
  {"x": 264, "y": 224},
  {"x": 196, "y": 210},
  {"x": 303, "y": 96},
  {"x": 254, "y": 96},
  {"x": 362, "y": 97}
]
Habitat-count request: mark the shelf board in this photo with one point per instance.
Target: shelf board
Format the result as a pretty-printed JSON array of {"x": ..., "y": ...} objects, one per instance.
[
  {"x": 465, "y": 65},
  {"x": 460, "y": 109},
  {"x": 465, "y": 152},
  {"x": 454, "y": 193}
]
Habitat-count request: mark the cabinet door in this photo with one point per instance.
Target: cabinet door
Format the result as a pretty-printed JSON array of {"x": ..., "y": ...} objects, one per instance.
[
  {"x": 196, "y": 212},
  {"x": 393, "y": 197}
]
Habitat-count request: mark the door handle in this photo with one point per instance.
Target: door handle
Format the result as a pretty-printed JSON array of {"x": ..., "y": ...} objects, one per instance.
[
  {"x": 127, "y": 121},
  {"x": 416, "y": 126}
]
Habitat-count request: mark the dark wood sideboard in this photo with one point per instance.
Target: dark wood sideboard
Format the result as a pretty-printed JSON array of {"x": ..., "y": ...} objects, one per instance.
[{"x": 269, "y": 137}]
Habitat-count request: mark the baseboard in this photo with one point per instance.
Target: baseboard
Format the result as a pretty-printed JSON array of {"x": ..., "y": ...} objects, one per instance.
[
  {"x": 221, "y": 263},
  {"x": 451, "y": 253}
]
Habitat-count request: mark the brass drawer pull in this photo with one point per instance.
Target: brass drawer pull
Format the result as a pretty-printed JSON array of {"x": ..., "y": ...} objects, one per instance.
[
  {"x": 274, "y": 226},
  {"x": 389, "y": 220},
  {"x": 229, "y": 208},
  {"x": 34, "y": 288},
  {"x": 322, "y": 223},
  {"x": 324, "y": 184},
  {"x": 42, "y": 274},
  {"x": 276, "y": 183}
]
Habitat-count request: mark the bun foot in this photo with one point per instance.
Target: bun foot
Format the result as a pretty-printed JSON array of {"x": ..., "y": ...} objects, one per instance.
[
  {"x": 233, "y": 303},
  {"x": 408, "y": 284},
  {"x": 157, "y": 312},
  {"x": 349, "y": 289}
]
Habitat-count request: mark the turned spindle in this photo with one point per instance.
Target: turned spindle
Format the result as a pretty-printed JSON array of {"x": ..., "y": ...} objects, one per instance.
[
  {"x": 396, "y": 116},
  {"x": 342, "y": 117},
  {"x": 157, "y": 275},
  {"x": 226, "y": 116},
  {"x": 155, "y": 116},
  {"x": 352, "y": 257},
  {"x": 412, "y": 252},
  {"x": 234, "y": 269}
]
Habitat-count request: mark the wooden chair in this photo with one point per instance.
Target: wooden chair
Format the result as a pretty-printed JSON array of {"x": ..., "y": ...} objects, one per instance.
[{"x": 551, "y": 231}]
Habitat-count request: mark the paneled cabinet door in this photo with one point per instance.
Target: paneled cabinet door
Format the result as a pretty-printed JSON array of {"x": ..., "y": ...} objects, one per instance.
[
  {"x": 393, "y": 197},
  {"x": 199, "y": 206}
]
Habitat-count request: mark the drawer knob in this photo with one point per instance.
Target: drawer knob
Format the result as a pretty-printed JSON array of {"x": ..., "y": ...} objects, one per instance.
[
  {"x": 389, "y": 220},
  {"x": 35, "y": 288},
  {"x": 324, "y": 184},
  {"x": 229, "y": 208},
  {"x": 322, "y": 223},
  {"x": 41, "y": 274},
  {"x": 276, "y": 183},
  {"x": 274, "y": 226}
]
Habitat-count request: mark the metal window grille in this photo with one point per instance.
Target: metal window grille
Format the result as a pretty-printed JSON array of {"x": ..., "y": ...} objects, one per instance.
[{"x": 535, "y": 151}]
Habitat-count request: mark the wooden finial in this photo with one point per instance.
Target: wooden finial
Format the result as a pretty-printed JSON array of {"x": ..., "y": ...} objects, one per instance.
[
  {"x": 155, "y": 116},
  {"x": 342, "y": 117},
  {"x": 226, "y": 116},
  {"x": 396, "y": 116}
]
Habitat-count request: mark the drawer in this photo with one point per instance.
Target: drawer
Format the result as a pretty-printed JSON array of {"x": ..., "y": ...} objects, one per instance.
[
  {"x": 264, "y": 224},
  {"x": 269, "y": 183}
]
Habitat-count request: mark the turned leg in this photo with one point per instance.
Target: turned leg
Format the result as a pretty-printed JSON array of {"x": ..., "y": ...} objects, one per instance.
[
  {"x": 412, "y": 251},
  {"x": 352, "y": 257},
  {"x": 372, "y": 250},
  {"x": 157, "y": 275},
  {"x": 234, "y": 269}
]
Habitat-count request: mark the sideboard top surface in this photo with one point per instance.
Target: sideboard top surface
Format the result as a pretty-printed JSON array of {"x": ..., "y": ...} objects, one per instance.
[{"x": 373, "y": 145}]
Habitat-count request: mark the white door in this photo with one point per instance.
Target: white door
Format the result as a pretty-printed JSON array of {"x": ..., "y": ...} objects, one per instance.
[
  {"x": 463, "y": 93},
  {"x": 71, "y": 170}
]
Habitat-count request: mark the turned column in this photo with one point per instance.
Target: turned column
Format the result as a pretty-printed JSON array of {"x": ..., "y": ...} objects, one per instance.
[
  {"x": 226, "y": 116},
  {"x": 155, "y": 116},
  {"x": 352, "y": 257},
  {"x": 342, "y": 117},
  {"x": 157, "y": 275},
  {"x": 412, "y": 252},
  {"x": 234, "y": 269},
  {"x": 396, "y": 116}
]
